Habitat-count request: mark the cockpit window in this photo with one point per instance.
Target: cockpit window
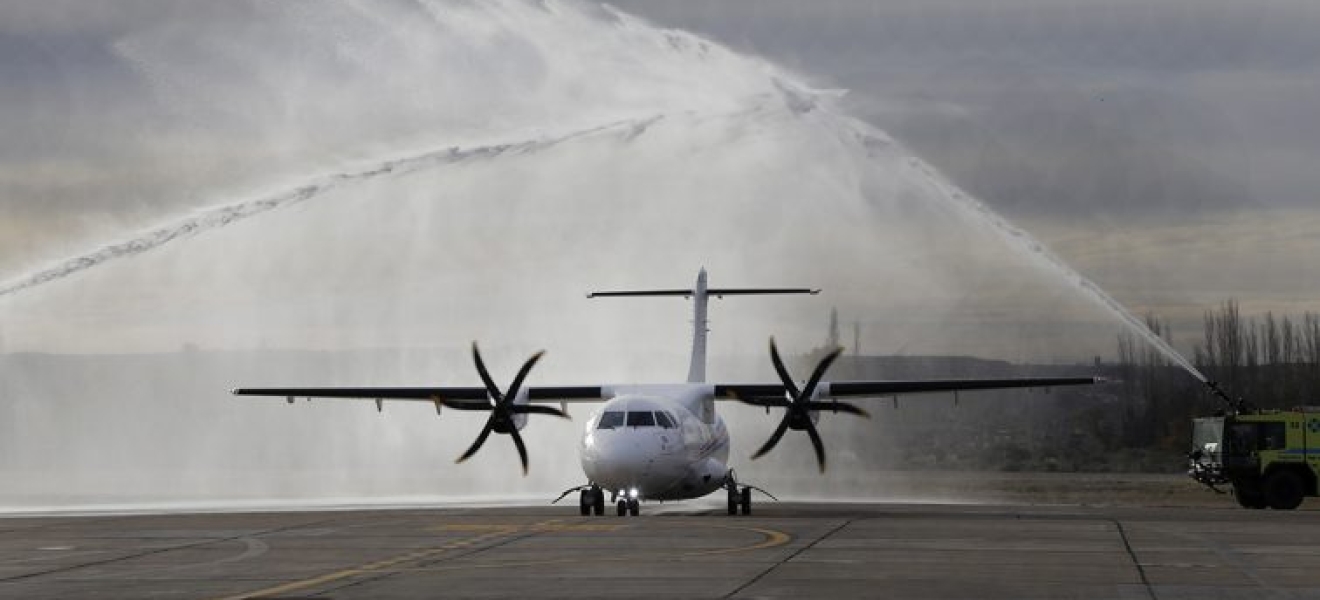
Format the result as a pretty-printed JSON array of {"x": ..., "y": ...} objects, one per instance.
[
  {"x": 664, "y": 420},
  {"x": 641, "y": 419},
  {"x": 610, "y": 420}
]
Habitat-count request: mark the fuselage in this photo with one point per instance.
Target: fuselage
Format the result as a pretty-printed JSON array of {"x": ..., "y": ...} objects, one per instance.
[{"x": 665, "y": 442}]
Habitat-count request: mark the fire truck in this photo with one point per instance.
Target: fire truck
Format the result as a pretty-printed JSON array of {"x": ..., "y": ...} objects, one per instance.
[{"x": 1271, "y": 458}]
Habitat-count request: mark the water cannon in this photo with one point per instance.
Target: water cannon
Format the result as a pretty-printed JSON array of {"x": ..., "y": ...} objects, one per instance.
[{"x": 1238, "y": 406}]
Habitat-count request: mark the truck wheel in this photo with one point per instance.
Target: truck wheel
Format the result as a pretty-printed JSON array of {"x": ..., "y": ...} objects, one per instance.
[
  {"x": 1249, "y": 498},
  {"x": 1283, "y": 490}
]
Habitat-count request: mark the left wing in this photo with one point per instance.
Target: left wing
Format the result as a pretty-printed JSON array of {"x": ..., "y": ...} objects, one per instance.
[
  {"x": 802, "y": 404},
  {"x": 876, "y": 389}
]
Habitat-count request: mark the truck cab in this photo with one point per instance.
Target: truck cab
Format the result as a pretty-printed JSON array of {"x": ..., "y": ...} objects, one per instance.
[{"x": 1270, "y": 458}]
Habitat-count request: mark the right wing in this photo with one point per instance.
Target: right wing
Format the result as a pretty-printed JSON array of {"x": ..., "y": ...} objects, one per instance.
[{"x": 464, "y": 398}]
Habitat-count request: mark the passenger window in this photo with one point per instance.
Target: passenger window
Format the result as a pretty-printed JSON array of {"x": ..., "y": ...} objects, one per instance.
[
  {"x": 664, "y": 420},
  {"x": 641, "y": 419},
  {"x": 610, "y": 420}
]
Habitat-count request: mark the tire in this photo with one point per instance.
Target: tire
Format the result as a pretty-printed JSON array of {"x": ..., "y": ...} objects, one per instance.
[
  {"x": 623, "y": 508},
  {"x": 1249, "y": 498},
  {"x": 733, "y": 501},
  {"x": 586, "y": 500},
  {"x": 1284, "y": 490},
  {"x": 598, "y": 503},
  {"x": 745, "y": 500},
  {"x": 634, "y": 507}
]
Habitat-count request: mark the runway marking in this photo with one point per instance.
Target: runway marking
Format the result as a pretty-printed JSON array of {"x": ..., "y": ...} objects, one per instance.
[
  {"x": 545, "y": 527},
  {"x": 381, "y": 566},
  {"x": 791, "y": 556},
  {"x": 772, "y": 538}
]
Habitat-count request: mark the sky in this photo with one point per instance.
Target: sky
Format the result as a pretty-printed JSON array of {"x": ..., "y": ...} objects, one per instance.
[{"x": 1165, "y": 150}]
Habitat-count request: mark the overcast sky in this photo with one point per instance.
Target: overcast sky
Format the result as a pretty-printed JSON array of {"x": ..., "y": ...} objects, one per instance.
[
  {"x": 1166, "y": 149},
  {"x": 1091, "y": 107}
]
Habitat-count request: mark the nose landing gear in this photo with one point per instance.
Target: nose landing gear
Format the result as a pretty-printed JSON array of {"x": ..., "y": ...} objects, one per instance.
[{"x": 629, "y": 506}]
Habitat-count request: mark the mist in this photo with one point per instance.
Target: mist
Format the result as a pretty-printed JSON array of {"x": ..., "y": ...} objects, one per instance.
[{"x": 349, "y": 194}]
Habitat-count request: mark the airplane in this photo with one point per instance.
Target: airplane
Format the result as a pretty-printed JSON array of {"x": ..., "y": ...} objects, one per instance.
[{"x": 661, "y": 442}]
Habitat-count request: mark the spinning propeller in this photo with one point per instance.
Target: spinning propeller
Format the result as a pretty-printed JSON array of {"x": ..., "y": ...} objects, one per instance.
[
  {"x": 503, "y": 409},
  {"x": 799, "y": 404}
]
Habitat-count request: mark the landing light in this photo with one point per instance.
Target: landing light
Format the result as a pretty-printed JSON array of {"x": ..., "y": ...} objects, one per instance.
[{"x": 632, "y": 493}]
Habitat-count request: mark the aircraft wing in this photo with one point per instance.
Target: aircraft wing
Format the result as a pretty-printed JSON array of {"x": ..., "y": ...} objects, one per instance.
[
  {"x": 844, "y": 389},
  {"x": 458, "y": 397}
]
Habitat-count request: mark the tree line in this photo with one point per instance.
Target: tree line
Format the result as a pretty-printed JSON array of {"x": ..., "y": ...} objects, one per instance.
[{"x": 1272, "y": 361}]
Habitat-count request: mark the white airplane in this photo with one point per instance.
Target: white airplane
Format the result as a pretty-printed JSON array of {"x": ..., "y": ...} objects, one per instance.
[{"x": 665, "y": 441}]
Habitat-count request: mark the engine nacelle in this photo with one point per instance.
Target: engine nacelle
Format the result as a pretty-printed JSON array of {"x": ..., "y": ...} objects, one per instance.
[{"x": 520, "y": 419}]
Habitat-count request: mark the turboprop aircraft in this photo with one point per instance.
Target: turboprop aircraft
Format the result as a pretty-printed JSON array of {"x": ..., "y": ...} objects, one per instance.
[{"x": 661, "y": 441}]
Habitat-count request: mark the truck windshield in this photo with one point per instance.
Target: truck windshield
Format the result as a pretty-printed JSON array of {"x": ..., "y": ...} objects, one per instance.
[{"x": 1209, "y": 430}]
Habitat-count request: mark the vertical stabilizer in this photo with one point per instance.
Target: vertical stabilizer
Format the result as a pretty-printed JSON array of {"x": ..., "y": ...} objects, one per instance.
[
  {"x": 700, "y": 295},
  {"x": 697, "y": 368}
]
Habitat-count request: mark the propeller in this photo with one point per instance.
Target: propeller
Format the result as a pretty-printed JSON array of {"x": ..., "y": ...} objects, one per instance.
[
  {"x": 799, "y": 404},
  {"x": 503, "y": 410}
]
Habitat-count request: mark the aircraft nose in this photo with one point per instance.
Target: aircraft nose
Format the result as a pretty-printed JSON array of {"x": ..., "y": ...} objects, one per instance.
[{"x": 620, "y": 459}]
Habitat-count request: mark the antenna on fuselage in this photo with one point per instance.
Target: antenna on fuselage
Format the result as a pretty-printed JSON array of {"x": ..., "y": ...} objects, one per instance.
[{"x": 700, "y": 295}]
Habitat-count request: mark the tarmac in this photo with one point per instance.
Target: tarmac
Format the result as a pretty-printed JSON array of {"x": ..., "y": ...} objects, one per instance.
[{"x": 782, "y": 550}]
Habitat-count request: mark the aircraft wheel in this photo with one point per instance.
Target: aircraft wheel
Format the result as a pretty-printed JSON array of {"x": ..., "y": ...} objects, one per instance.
[
  {"x": 598, "y": 502},
  {"x": 733, "y": 501},
  {"x": 746, "y": 501},
  {"x": 1284, "y": 490},
  {"x": 634, "y": 507},
  {"x": 586, "y": 500},
  {"x": 623, "y": 508}
]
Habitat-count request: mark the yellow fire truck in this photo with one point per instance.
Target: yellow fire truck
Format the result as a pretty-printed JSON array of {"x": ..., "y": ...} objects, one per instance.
[{"x": 1270, "y": 458}]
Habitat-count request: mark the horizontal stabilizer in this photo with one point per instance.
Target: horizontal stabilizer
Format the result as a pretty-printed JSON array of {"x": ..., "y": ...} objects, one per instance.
[{"x": 710, "y": 292}]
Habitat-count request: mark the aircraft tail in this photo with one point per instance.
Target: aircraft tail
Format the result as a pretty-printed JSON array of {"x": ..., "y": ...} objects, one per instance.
[{"x": 700, "y": 294}]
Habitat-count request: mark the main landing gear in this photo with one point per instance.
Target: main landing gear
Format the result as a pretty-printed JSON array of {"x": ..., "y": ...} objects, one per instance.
[
  {"x": 740, "y": 496},
  {"x": 591, "y": 500}
]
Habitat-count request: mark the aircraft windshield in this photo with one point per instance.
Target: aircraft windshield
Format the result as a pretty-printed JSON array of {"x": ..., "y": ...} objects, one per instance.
[
  {"x": 641, "y": 419},
  {"x": 610, "y": 420},
  {"x": 636, "y": 418}
]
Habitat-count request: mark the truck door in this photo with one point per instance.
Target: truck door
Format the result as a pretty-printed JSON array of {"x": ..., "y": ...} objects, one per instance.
[{"x": 1240, "y": 455}]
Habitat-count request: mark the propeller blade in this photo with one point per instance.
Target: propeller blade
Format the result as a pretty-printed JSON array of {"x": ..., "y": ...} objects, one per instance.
[
  {"x": 538, "y": 410},
  {"x": 522, "y": 449},
  {"x": 842, "y": 407},
  {"x": 491, "y": 388},
  {"x": 481, "y": 439},
  {"x": 781, "y": 370},
  {"x": 522, "y": 374},
  {"x": 817, "y": 444},
  {"x": 774, "y": 439},
  {"x": 820, "y": 372}
]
